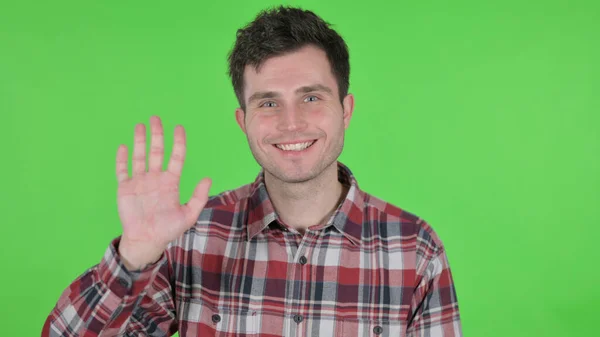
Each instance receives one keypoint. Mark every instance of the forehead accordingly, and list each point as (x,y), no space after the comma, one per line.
(306,66)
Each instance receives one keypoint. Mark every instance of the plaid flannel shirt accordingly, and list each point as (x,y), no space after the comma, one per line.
(372,269)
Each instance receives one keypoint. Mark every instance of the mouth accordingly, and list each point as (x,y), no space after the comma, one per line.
(292,148)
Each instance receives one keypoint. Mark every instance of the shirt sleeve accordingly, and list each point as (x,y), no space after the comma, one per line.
(109,300)
(434,306)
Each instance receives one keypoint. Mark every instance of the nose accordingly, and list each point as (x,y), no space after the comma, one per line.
(291,119)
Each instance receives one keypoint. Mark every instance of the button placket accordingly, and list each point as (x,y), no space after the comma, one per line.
(302,248)
(302,261)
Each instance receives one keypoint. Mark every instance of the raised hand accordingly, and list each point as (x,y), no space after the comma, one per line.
(148,201)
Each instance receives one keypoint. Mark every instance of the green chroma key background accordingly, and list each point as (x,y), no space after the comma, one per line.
(482,117)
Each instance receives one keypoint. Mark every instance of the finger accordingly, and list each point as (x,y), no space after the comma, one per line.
(122,163)
(139,150)
(178,154)
(197,201)
(157,147)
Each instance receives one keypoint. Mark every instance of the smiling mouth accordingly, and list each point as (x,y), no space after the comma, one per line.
(295,147)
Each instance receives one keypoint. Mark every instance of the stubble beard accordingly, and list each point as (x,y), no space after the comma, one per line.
(270,167)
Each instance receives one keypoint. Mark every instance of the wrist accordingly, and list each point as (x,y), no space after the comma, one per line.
(137,257)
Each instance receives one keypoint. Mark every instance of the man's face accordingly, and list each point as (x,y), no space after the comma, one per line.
(292,103)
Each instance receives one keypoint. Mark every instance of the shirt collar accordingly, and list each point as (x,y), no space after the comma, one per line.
(347,218)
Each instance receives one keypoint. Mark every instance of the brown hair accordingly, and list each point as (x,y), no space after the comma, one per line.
(281,30)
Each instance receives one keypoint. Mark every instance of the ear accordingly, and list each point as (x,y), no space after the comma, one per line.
(240,117)
(348,105)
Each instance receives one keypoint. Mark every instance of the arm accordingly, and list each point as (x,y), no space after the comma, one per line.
(434,307)
(109,300)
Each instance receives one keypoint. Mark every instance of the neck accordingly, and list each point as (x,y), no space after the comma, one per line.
(301,205)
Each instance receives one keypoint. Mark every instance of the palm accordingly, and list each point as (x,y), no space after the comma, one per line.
(148,201)
(149,208)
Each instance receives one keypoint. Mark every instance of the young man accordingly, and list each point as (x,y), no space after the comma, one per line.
(302,251)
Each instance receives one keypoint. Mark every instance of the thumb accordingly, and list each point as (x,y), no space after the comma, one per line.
(197,201)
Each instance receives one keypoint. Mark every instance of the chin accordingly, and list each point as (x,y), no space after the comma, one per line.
(292,172)
(296,177)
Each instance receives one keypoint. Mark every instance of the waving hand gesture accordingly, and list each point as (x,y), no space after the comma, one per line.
(148,201)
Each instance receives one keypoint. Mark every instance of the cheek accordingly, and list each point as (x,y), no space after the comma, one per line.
(325,118)
(324,113)
(260,127)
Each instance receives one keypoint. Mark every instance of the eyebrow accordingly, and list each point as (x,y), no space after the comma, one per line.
(313,88)
(302,90)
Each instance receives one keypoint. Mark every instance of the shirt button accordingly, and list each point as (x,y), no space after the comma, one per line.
(216,318)
(377,330)
(122,282)
(298,318)
(303,260)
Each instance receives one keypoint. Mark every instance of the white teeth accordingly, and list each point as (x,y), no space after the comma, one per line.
(294,147)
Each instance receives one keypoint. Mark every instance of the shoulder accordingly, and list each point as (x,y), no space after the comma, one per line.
(228,198)
(397,223)
(225,208)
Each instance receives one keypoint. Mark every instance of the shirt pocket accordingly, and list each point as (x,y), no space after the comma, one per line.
(201,319)
(373,328)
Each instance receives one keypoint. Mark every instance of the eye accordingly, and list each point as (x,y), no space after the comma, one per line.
(269,104)
(311,99)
